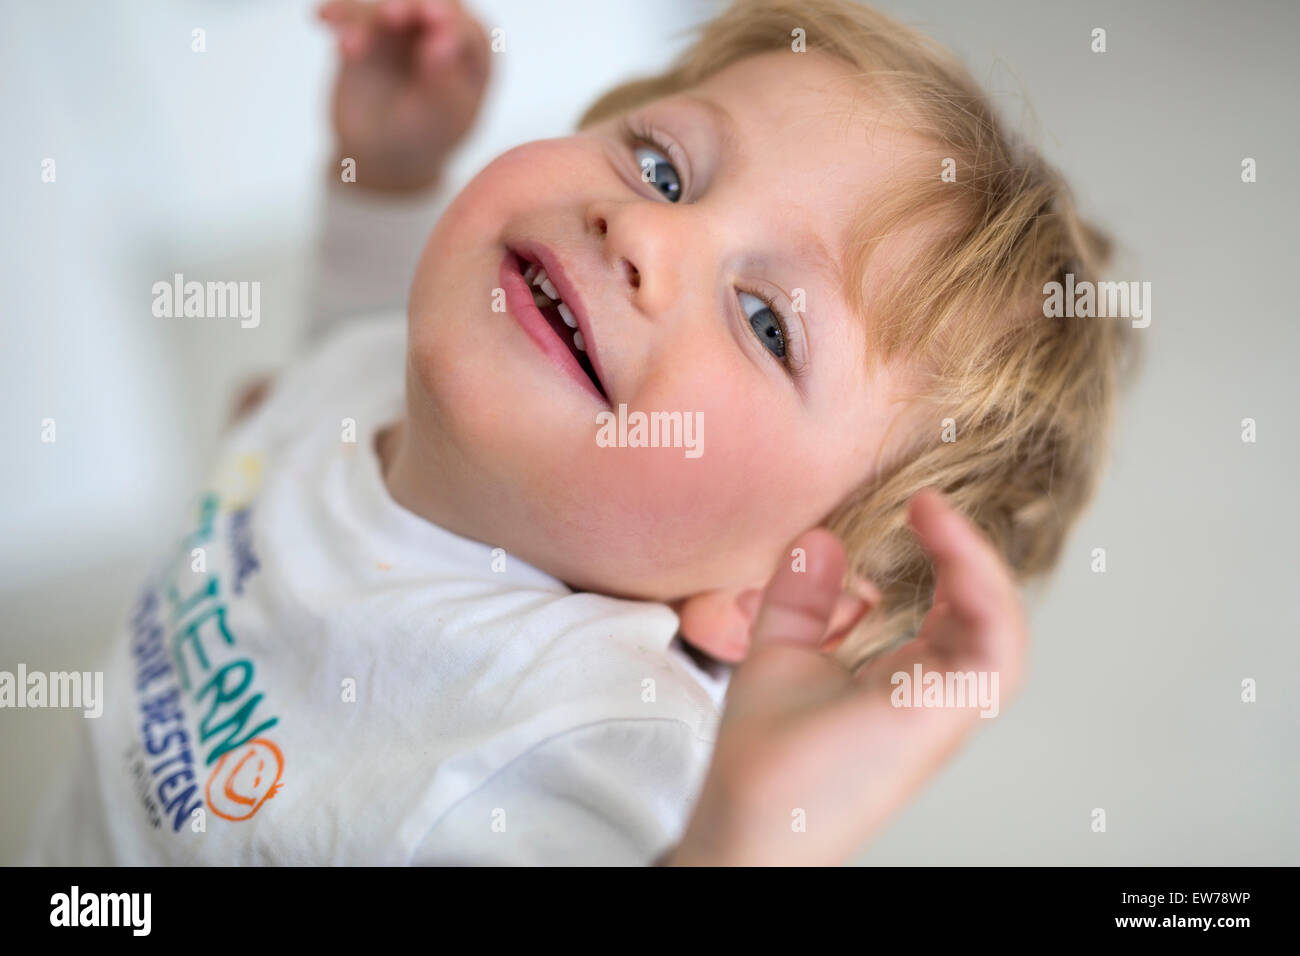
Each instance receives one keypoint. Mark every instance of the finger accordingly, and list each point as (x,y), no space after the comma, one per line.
(354,40)
(358,26)
(396,14)
(436,15)
(332,11)
(350,23)
(338,12)
(971,577)
(800,598)
(445,33)
(977,611)
(459,57)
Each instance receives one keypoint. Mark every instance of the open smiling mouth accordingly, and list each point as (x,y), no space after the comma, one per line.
(558,315)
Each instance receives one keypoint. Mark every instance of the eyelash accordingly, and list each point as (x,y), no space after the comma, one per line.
(796,370)
(639,131)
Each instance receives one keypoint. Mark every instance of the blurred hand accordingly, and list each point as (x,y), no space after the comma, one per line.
(411,79)
(801,732)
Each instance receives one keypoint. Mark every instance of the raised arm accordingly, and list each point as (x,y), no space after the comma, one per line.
(411,79)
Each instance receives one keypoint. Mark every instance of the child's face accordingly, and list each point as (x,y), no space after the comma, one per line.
(501,439)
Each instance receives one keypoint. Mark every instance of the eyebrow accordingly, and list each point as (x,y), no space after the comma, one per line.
(721,119)
(821,259)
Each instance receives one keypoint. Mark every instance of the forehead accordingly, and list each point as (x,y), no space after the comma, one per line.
(812,129)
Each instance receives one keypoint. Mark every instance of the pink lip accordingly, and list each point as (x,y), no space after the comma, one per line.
(555,271)
(519,302)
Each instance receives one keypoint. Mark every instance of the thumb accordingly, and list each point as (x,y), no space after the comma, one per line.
(801,596)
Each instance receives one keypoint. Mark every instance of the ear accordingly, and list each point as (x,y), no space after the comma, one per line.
(719,622)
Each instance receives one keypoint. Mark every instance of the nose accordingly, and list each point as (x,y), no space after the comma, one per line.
(643,241)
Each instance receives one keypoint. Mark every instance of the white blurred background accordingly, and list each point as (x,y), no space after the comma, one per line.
(210,164)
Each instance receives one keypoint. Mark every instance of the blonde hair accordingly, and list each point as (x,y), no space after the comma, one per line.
(1031,398)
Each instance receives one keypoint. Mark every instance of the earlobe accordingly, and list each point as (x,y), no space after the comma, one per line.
(850,609)
(718,622)
(858,598)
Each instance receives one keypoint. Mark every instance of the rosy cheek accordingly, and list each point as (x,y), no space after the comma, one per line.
(692,502)
(528,178)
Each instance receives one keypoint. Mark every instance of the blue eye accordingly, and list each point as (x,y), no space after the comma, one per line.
(765,323)
(659,172)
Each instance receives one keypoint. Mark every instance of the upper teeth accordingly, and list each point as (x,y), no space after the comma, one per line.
(535,276)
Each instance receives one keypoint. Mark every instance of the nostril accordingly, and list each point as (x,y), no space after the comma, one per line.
(601,226)
(633,276)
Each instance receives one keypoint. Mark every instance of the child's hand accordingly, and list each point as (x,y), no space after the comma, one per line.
(802,737)
(410,83)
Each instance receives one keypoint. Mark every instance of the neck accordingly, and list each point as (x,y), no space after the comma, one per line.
(416,484)
(387,443)
(393,446)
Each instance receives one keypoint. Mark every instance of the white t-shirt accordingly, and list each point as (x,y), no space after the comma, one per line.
(318,676)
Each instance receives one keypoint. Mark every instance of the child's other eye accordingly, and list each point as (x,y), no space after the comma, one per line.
(766,324)
(658,170)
